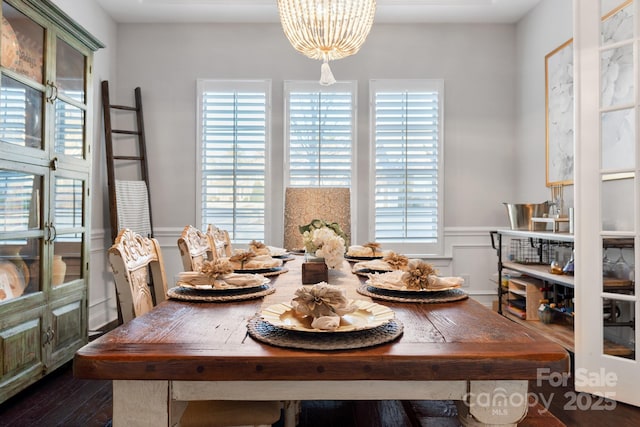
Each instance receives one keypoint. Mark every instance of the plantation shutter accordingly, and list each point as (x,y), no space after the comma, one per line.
(233,135)
(406,130)
(320,133)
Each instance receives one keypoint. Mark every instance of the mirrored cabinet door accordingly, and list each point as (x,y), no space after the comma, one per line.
(69,101)
(22,88)
(22,230)
(69,205)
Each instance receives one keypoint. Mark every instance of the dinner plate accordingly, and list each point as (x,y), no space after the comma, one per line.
(278,252)
(366,271)
(390,287)
(228,287)
(258,270)
(361,258)
(368,315)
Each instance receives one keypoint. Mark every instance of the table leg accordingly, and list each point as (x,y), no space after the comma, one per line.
(291,413)
(495,403)
(141,404)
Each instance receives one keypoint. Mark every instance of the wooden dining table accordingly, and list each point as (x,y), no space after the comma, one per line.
(183,351)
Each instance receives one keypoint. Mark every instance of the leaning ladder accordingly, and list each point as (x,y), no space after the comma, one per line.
(129,137)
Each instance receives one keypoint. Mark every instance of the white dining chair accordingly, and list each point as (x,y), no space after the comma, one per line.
(138,270)
(220,242)
(137,262)
(195,248)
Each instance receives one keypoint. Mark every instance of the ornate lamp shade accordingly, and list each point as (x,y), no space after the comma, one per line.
(326,29)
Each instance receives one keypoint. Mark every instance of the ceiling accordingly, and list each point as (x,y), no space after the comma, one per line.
(263,11)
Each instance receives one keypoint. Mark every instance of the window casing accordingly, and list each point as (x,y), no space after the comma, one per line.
(406,178)
(233,133)
(320,133)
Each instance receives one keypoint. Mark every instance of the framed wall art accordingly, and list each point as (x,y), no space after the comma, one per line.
(559,109)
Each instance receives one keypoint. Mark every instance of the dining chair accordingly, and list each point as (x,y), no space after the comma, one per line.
(304,204)
(138,270)
(195,248)
(132,258)
(219,241)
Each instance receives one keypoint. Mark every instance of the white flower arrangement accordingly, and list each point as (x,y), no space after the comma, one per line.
(322,240)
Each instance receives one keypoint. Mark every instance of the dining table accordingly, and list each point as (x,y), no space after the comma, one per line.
(435,348)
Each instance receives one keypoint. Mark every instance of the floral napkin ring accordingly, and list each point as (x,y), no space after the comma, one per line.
(396,261)
(242,257)
(374,246)
(216,268)
(258,248)
(418,274)
(324,303)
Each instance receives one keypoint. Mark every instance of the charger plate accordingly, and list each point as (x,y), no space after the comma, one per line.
(352,258)
(368,315)
(267,333)
(266,272)
(366,271)
(229,287)
(431,297)
(239,294)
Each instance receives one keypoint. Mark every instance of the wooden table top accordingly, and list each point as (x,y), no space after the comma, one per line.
(178,340)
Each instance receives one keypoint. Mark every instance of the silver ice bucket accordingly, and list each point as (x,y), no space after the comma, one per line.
(520,214)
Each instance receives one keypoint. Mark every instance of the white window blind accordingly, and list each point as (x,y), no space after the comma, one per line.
(233,131)
(320,133)
(406,128)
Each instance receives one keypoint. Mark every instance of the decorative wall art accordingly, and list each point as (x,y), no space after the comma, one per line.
(559,121)
(616,90)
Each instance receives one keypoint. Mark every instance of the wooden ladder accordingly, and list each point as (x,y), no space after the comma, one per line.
(134,136)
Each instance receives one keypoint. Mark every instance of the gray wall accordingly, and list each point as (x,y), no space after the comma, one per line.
(545,28)
(477,62)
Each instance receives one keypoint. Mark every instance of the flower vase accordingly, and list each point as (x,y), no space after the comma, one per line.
(314,270)
(311,257)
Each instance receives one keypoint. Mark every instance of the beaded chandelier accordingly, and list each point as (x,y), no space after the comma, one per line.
(326,29)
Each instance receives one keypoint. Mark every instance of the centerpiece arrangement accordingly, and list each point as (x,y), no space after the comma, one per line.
(324,244)
(325,240)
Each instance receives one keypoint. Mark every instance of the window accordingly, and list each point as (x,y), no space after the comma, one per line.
(233,123)
(406,129)
(320,133)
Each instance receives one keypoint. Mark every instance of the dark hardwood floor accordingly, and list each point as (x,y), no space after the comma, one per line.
(62,400)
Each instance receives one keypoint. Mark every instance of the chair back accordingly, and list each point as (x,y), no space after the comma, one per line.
(219,241)
(304,204)
(195,248)
(139,273)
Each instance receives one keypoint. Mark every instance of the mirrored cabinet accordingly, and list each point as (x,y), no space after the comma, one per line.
(45,167)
